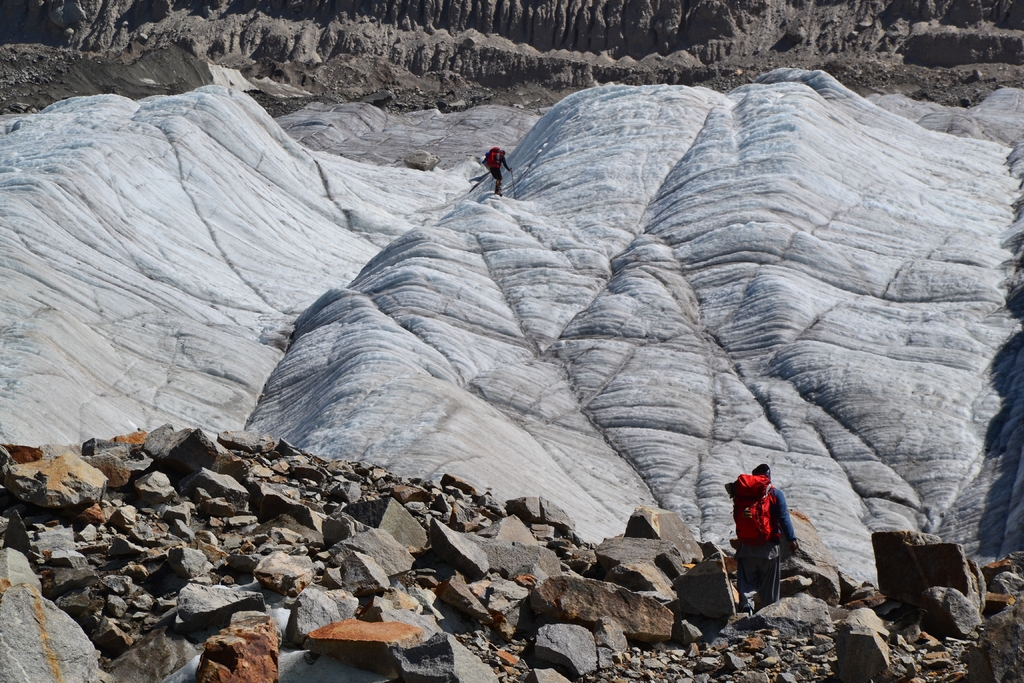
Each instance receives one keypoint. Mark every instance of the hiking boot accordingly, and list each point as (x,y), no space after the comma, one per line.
(748,608)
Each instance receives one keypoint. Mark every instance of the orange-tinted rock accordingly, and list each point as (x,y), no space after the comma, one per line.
(135,438)
(244,652)
(364,644)
(93,514)
(62,482)
(113,468)
(23,454)
(997,602)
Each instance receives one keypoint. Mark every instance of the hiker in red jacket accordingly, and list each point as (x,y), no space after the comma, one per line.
(494,160)
(762,518)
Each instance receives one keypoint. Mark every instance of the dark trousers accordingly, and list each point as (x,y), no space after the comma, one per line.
(758,576)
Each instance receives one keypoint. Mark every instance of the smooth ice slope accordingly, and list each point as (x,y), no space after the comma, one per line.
(688,284)
(154,254)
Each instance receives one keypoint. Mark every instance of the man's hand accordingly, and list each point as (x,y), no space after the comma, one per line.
(793,547)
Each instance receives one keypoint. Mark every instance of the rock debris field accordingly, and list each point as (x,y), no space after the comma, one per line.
(179,557)
(680,284)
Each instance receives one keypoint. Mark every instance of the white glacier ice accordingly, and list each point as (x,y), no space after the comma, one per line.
(154,254)
(685,284)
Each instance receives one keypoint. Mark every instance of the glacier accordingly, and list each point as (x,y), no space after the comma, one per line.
(685,284)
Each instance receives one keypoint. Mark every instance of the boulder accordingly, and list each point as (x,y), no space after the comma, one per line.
(511,559)
(63,580)
(357,573)
(186,451)
(861,650)
(16,571)
(706,590)
(389,515)
(539,511)
(458,594)
(363,644)
(16,535)
(110,638)
(813,561)
(567,646)
(909,563)
(275,501)
(202,607)
(949,613)
(160,653)
(422,160)
(244,652)
(610,640)
(41,644)
(458,550)
(304,534)
(800,616)
(217,485)
(285,574)
(312,609)
(247,442)
(188,563)
(585,601)
(665,525)
(440,659)
(657,553)
(154,488)
(509,529)
(641,578)
(64,481)
(391,555)
(998,656)
(506,601)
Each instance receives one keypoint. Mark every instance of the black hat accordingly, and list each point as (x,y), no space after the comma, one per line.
(763,469)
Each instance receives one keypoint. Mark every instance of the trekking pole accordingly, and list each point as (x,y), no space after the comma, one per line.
(512,173)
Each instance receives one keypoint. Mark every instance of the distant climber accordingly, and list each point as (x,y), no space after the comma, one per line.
(494,160)
(762,518)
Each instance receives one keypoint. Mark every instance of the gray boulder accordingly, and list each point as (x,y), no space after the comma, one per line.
(188,563)
(509,529)
(356,573)
(422,160)
(536,510)
(812,561)
(15,571)
(458,550)
(156,656)
(312,609)
(949,613)
(512,559)
(202,607)
(16,535)
(610,640)
(388,553)
(665,525)
(706,590)
(41,644)
(797,616)
(545,676)
(998,656)
(861,650)
(185,451)
(568,646)
(154,488)
(909,563)
(440,659)
(217,485)
(389,515)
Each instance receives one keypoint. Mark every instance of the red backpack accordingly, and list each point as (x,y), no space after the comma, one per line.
(753,496)
(493,158)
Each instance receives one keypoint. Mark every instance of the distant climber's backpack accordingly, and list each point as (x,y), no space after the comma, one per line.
(493,158)
(753,496)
